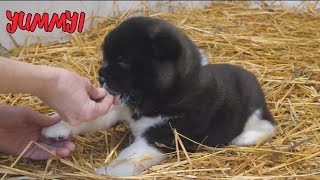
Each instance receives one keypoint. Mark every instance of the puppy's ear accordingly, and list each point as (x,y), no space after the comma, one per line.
(165,45)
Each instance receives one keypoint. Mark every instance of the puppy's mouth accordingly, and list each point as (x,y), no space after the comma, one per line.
(117,95)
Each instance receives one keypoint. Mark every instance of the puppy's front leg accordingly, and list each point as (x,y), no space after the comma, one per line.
(63,130)
(133,160)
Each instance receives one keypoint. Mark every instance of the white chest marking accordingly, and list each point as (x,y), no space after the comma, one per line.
(140,126)
(204,58)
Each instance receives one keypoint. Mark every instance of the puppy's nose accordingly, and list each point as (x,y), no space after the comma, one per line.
(101,80)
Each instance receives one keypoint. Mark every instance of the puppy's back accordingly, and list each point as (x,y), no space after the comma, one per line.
(242,88)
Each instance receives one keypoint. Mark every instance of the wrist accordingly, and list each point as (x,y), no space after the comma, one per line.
(48,80)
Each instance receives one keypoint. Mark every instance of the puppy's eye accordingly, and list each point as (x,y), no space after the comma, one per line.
(124,63)
(122,60)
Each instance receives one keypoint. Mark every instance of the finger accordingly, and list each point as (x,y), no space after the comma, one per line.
(98,109)
(42,120)
(63,152)
(66,144)
(70,145)
(66,150)
(96,93)
(37,153)
(55,117)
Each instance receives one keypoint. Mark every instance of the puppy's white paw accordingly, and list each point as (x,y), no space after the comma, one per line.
(101,171)
(59,131)
(119,170)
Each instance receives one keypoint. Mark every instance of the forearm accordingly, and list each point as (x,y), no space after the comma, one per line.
(21,77)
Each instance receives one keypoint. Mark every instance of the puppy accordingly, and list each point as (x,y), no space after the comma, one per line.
(164,82)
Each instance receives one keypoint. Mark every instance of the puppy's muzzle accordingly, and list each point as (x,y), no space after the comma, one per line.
(103,84)
(102,81)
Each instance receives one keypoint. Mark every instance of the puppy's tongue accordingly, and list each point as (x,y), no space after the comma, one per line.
(116,100)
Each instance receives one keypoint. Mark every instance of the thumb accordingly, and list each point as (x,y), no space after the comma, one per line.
(43,120)
(96,93)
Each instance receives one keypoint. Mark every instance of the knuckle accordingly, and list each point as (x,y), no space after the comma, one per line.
(86,81)
(73,122)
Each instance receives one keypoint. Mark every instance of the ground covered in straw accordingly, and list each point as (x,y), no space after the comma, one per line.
(280,46)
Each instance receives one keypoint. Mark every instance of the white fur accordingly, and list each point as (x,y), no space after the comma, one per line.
(204,58)
(140,126)
(255,129)
(139,156)
(64,130)
(133,160)
(60,130)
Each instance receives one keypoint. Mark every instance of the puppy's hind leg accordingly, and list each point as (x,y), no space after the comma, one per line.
(255,130)
(63,130)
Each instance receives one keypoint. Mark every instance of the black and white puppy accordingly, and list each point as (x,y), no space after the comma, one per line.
(156,70)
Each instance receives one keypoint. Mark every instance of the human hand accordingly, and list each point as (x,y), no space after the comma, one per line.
(20,125)
(74,98)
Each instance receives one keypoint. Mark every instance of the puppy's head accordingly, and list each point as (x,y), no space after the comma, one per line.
(143,61)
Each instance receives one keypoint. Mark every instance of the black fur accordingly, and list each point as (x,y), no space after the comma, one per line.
(157,69)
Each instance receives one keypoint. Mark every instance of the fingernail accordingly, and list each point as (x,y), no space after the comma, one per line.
(102,92)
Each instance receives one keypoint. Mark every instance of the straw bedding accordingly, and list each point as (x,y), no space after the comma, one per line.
(280,46)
